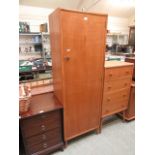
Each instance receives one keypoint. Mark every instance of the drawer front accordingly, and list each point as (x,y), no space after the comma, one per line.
(115,85)
(37,120)
(41,138)
(116,73)
(116,101)
(42,146)
(31,128)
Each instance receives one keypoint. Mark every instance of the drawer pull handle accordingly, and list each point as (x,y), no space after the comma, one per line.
(110,75)
(125,84)
(108,99)
(44,145)
(109,87)
(43,127)
(44,137)
(127,72)
(43,116)
(124,95)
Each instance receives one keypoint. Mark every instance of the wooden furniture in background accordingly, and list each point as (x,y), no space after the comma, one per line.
(132,60)
(132,38)
(41,127)
(78,51)
(117,83)
(130,112)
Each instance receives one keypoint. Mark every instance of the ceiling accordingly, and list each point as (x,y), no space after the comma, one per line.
(119,8)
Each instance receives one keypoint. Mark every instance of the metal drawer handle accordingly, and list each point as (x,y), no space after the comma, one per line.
(43,127)
(44,145)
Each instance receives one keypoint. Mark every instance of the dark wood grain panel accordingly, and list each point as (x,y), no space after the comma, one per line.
(41,127)
(42,146)
(42,103)
(38,120)
(42,132)
(50,135)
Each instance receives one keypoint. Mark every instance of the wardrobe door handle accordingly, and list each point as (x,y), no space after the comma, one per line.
(66,58)
(108,99)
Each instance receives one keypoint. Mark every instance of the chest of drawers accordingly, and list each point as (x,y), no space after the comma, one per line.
(117,83)
(41,127)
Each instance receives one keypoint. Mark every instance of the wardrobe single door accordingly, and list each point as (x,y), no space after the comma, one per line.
(83,60)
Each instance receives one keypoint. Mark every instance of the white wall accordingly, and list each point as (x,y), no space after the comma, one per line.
(132,20)
(118,25)
(37,16)
(34,16)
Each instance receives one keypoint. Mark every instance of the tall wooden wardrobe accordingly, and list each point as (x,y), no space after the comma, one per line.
(78,51)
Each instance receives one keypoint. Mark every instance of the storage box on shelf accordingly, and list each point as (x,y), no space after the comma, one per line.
(117,83)
(42,127)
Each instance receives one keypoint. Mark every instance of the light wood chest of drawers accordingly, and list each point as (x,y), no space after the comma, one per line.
(117,83)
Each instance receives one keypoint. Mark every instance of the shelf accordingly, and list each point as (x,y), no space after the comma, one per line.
(30,34)
(30,43)
(45,33)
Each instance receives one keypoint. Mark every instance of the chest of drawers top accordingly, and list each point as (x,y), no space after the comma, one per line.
(41,104)
(113,64)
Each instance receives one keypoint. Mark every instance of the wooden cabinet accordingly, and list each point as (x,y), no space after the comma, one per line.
(41,127)
(132,36)
(132,60)
(78,51)
(117,82)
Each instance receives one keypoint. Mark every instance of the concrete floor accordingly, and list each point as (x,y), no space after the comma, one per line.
(117,138)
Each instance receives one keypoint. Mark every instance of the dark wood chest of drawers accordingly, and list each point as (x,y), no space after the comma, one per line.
(42,128)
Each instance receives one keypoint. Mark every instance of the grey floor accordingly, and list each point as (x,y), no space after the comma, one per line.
(117,138)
